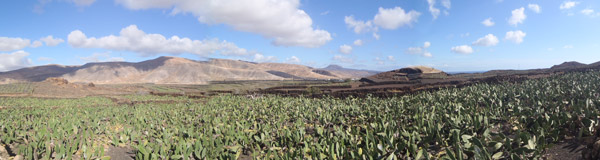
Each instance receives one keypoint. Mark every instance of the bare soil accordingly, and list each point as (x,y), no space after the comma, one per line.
(120,153)
(568,150)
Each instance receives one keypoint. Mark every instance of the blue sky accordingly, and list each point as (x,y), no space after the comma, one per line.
(446,34)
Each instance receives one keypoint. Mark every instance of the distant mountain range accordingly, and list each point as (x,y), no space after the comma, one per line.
(174,70)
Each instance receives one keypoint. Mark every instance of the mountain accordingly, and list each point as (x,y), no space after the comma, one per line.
(405,75)
(568,65)
(346,72)
(334,67)
(36,74)
(425,69)
(174,70)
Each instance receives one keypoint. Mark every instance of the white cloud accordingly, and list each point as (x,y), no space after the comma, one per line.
(379,61)
(464,49)
(587,11)
(465,34)
(391,58)
(487,40)
(488,22)
(51,41)
(515,36)
(292,59)
(261,58)
(343,59)
(518,16)
(357,25)
(427,54)
(346,49)
(535,8)
(39,7)
(358,42)
(375,35)
(394,18)
(434,11)
(135,40)
(82,2)
(101,57)
(325,13)
(14,60)
(36,44)
(420,50)
(414,50)
(568,4)
(446,3)
(11,44)
(568,46)
(281,20)
(590,12)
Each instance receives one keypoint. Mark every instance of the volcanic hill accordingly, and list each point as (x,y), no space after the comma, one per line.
(174,70)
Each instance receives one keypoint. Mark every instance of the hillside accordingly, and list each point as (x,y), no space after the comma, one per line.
(174,70)
(345,72)
(405,75)
(36,74)
(568,65)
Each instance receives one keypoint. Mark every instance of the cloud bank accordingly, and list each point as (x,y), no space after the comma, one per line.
(281,20)
(14,60)
(11,44)
(135,40)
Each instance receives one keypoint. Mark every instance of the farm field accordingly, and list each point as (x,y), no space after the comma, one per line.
(16,88)
(523,120)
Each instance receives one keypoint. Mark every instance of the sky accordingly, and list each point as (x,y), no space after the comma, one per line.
(451,35)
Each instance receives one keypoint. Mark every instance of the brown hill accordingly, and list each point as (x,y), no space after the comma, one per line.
(568,65)
(595,64)
(171,70)
(36,74)
(407,75)
(346,72)
(165,70)
(425,69)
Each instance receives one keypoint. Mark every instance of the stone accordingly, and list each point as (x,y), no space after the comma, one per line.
(3,153)
(18,157)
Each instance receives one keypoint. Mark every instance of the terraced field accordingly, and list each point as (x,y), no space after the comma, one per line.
(483,121)
(16,88)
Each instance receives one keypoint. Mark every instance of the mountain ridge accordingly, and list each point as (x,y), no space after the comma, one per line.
(176,70)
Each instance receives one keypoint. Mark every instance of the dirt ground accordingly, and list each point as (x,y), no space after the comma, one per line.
(120,153)
(568,150)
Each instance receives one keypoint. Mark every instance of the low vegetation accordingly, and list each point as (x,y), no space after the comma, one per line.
(165,89)
(483,121)
(16,88)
